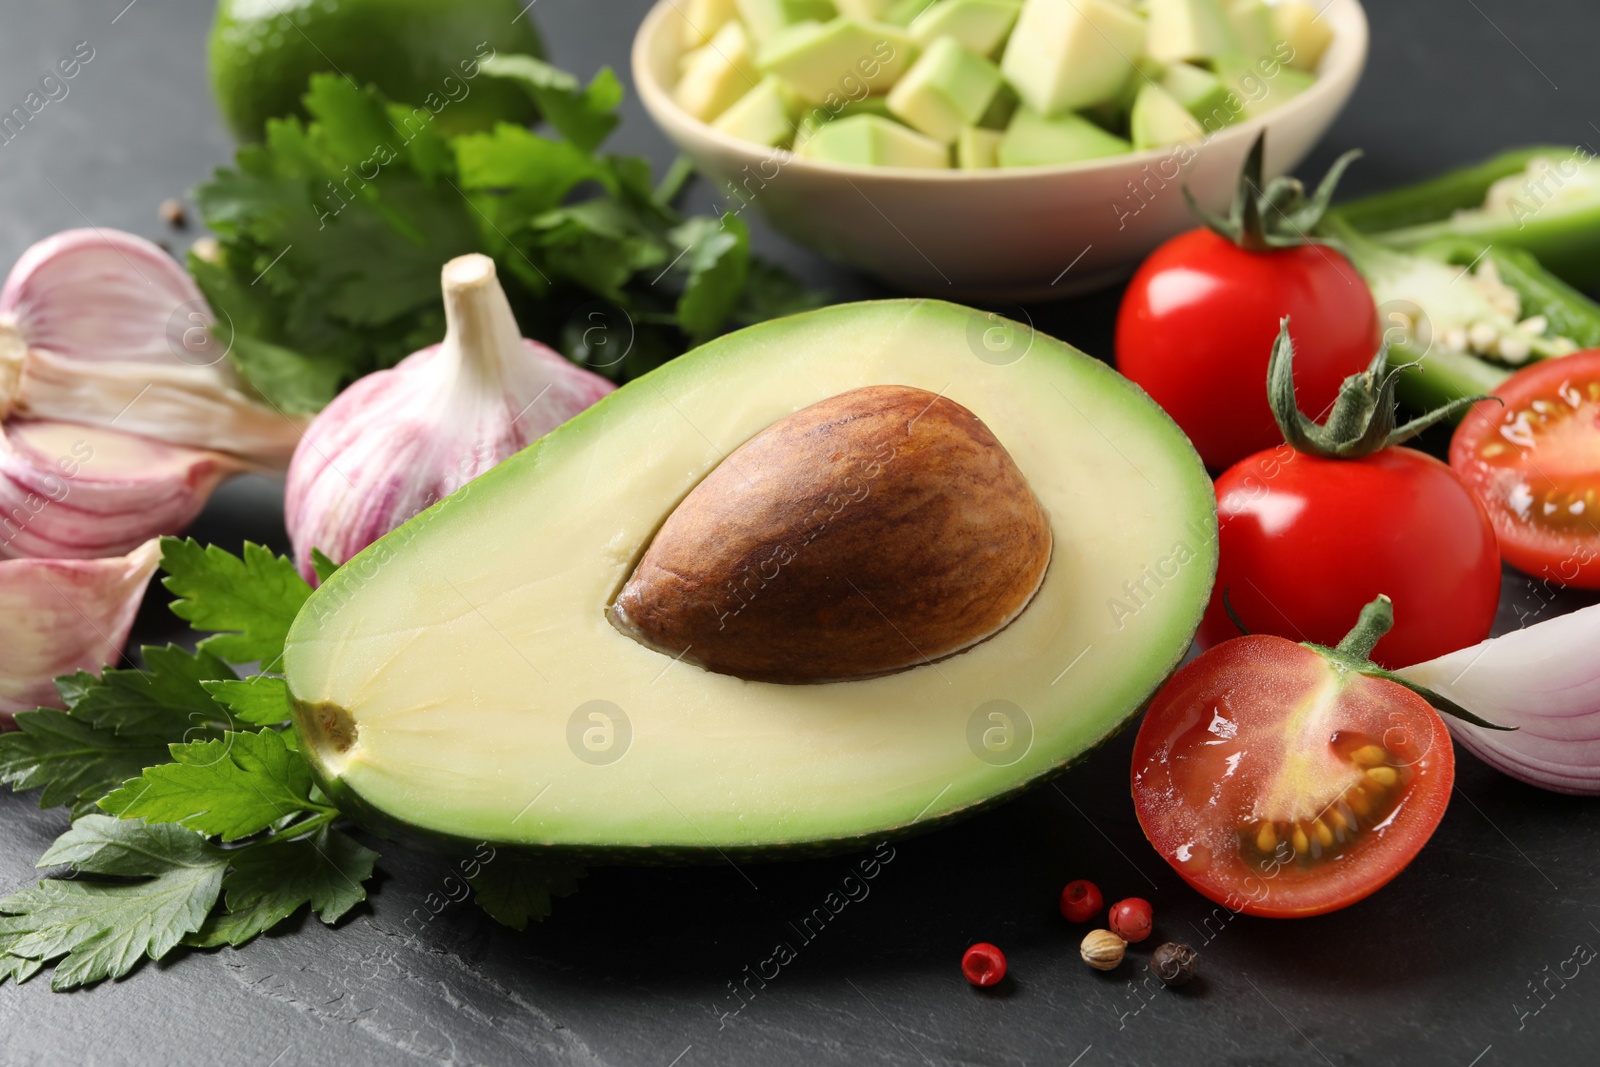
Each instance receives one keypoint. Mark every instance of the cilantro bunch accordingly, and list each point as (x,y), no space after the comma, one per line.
(197,821)
(332,234)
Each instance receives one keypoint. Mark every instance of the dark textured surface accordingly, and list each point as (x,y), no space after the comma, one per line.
(637,968)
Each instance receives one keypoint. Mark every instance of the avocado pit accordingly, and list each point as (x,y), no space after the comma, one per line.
(881,529)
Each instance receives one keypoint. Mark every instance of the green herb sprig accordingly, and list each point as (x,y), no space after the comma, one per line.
(332,233)
(197,820)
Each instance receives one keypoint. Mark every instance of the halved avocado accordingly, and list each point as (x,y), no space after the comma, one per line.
(461,677)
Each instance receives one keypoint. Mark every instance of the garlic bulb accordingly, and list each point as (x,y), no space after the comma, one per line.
(79,492)
(398,441)
(102,327)
(59,616)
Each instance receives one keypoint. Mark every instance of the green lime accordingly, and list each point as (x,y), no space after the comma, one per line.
(419,52)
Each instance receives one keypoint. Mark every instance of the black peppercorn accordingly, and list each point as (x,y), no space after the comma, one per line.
(1174,963)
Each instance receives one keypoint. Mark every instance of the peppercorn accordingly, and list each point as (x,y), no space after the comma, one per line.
(1131,919)
(983,964)
(1102,950)
(1174,963)
(1080,901)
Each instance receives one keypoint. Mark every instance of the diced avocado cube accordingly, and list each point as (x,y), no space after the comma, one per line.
(762,116)
(1261,84)
(819,115)
(1151,68)
(1296,24)
(1158,119)
(1252,26)
(843,59)
(905,12)
(763,18)
(870,141)
(978,149)
(703,18)
(717,74)
(1189,29)
(864,9)
(1034,139)
(946,89)
(1067,54)
(1001,108)
(1112,114)
(1201,93)
(981,26)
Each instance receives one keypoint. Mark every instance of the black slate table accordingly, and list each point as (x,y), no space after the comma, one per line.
(1451,965)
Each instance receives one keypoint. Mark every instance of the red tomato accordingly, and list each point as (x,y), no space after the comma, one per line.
(1305,542)
(1197,325)
(1535,464)
(1277,784)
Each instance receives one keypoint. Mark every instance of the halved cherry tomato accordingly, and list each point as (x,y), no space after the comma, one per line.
(1279,783)
(1535,465)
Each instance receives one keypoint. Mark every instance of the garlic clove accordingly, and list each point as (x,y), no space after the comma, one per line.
(399,440)
(100,326)
(80,492)
(59,616)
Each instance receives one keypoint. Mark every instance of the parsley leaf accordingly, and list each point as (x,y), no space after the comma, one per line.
(17,968)
(332,232)
(154,746)
(514,889)
(113,727)
(718,259)
(585,117)
(165,699)
(324,566)
(104,928)
(99,844)
(269,883)
(259,701)
(229,788)
(248,604)
(74,762)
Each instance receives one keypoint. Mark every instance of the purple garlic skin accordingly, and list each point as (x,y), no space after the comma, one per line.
(60,616)
(104,328)
(81,492)
(398,441)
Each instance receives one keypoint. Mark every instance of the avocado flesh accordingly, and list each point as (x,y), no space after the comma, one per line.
(1159,119)
(436,675)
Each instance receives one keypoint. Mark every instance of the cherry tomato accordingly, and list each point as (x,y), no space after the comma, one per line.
(1080,901)
(1197,325)
(1535,464)
(1277,783)
(1131,919)
(983,964)
(1305,542)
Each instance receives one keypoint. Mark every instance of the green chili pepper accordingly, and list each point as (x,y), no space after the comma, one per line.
(1460,316)
(1570,313)
(1553,211)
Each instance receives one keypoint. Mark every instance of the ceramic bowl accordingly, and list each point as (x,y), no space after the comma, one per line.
(1022,234)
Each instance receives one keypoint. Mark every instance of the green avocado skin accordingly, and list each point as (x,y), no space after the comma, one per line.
(263,53)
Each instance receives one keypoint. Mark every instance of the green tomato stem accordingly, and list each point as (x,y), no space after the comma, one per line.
(1377,619)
